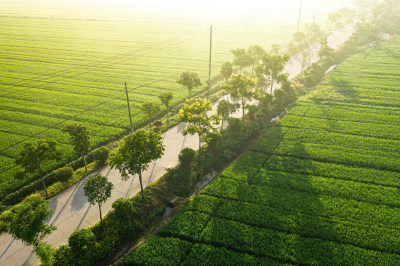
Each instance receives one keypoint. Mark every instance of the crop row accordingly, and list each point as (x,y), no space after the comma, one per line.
(320,136)
(328,153)
(267,242)
(345,93)
(364,236)
(312,204)
(174,251)
(325,186)
(356,114)
(29,124)
(332,170)
(91,117)
(356,128)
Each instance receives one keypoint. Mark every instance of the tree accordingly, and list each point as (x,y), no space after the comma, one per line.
(275,48)
(226,70)
(243,88)
(313,34)
(272,67)
(224,109)
(256,52)
(136,152)
(25,221)
(242,58)
(299,37)
(34,155)
(190,80)
(150,110)
(325,50)
(80,138)
(194,114)
(97,189)
(165,99)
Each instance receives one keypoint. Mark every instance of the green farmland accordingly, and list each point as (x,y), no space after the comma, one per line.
(322,187)
(54,71)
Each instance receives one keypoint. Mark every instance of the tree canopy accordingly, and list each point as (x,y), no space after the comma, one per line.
(226,70)
(225,109)
(256,52)
(165,99)
(271,69)
(136,152)
(34,155)
(97,189)
(242,58)
(150,110)
(80,138)
(25,221)
(194,114)
(243,88)
(190,80)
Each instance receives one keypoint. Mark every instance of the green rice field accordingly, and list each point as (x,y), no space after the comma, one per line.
(321,187)
(59,70)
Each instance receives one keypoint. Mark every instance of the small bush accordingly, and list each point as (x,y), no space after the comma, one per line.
(187,156)
(100,155)
(65,173)
(81,240)
(124,210)
(158,123)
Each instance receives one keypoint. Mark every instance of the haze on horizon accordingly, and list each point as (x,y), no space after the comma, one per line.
(282,13)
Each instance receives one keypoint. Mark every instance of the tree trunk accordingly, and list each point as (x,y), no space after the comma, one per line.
(222,124)
(44,185)
(199,144)
(243,103)
(101,219)
(140,180)
(272,85)
(84,160)
(167,114)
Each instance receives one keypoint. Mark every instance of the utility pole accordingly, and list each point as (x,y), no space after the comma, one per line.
(129,108)
(298,21)
(209,65)
(313,18)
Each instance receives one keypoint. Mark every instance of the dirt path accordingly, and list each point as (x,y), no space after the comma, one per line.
(71,209)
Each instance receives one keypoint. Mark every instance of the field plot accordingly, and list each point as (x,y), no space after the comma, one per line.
(319,188)
(54,71)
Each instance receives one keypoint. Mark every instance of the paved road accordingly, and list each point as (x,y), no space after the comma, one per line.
(71,209)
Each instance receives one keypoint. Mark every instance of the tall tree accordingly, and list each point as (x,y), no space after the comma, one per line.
(242,58)
(136,152)
(243,88)
(225,109)
(80,138)
(190,80)
(256,52)
(272,67)
(25,221)
(97,189)
(165,99)
(325,50)
(194,114)
(150,110)
(226,70)
(275,48)
(34,155)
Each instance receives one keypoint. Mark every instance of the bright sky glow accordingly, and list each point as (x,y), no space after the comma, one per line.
(274,12)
